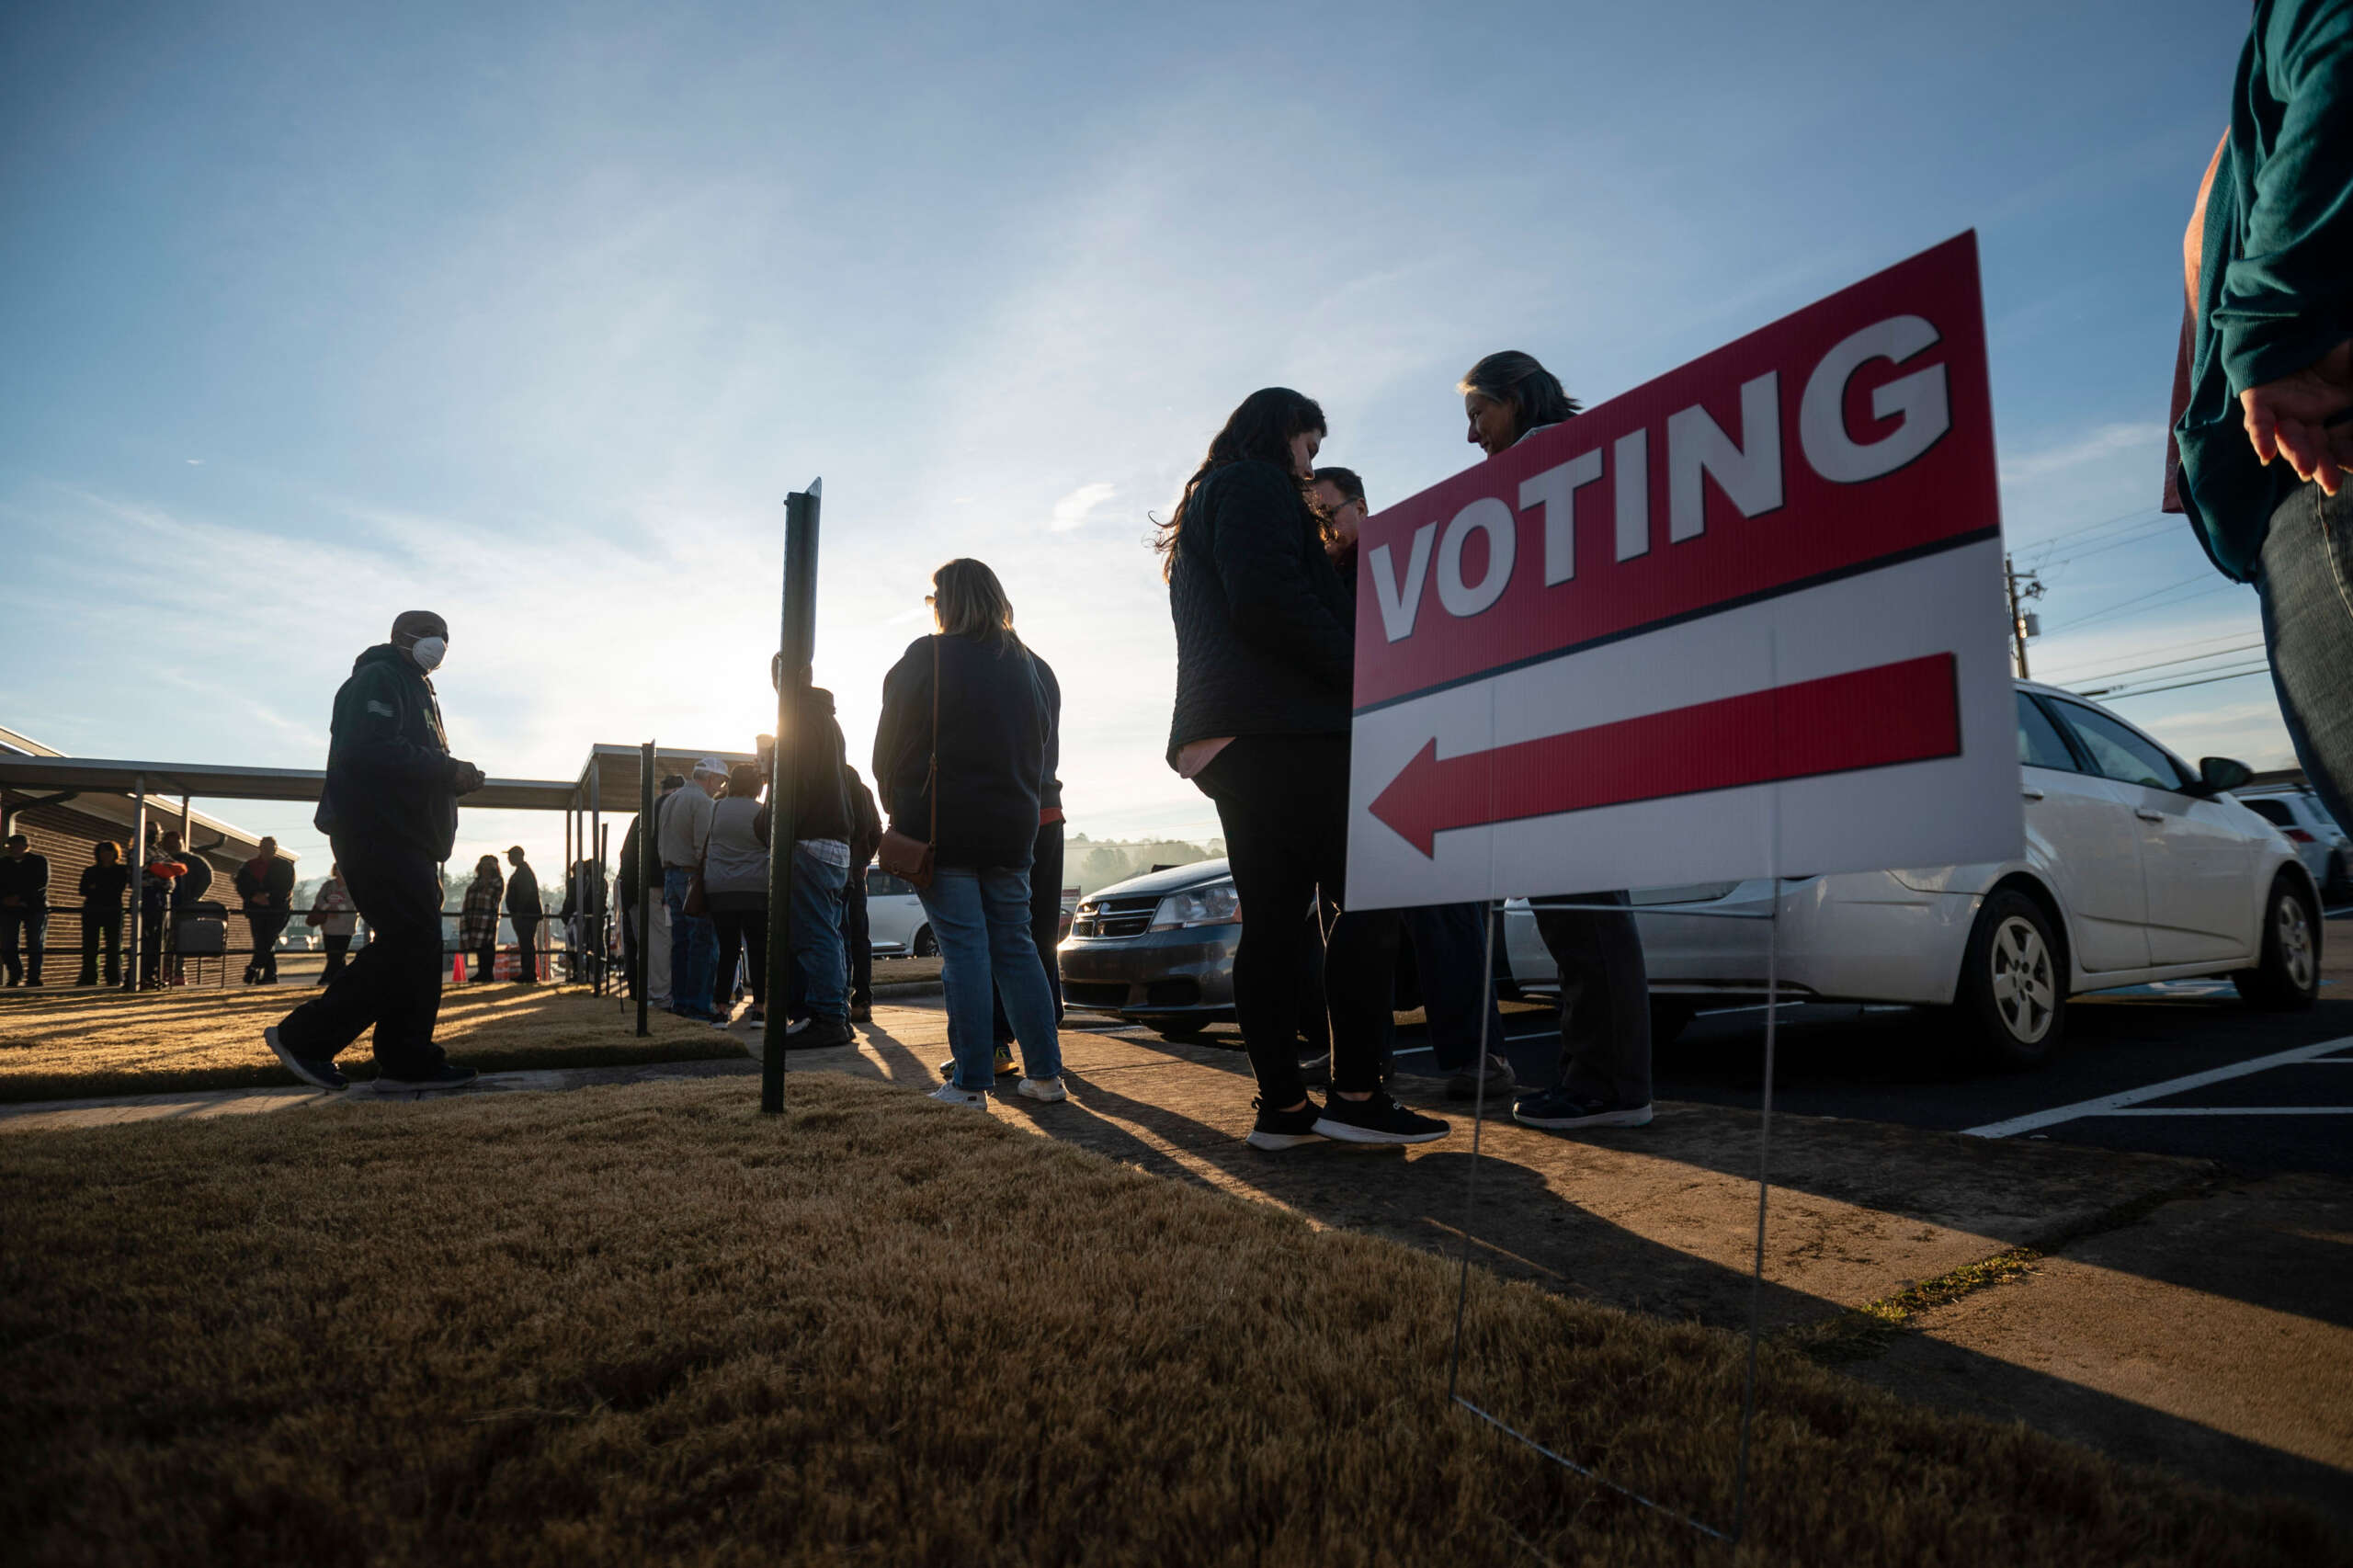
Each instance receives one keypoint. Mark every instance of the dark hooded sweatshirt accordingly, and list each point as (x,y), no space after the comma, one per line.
(392,785)
(994,725)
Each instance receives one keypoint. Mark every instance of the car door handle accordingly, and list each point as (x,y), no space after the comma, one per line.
(2147,815)
(2031,794)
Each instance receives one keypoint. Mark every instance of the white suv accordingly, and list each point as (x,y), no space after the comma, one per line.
(2303,822)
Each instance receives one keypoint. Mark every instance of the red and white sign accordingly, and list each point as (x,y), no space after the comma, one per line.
(1745,618)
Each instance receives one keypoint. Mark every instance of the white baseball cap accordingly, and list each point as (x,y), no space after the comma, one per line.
(711,766)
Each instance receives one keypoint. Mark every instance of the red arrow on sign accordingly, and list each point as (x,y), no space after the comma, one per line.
(1874,718)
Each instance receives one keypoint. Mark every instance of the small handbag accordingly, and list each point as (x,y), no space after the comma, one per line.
(903,854)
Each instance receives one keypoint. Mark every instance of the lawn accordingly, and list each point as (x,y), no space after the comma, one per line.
(77,1044)
(643,1323)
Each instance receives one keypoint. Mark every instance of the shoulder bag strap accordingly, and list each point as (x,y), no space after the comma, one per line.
(932,786)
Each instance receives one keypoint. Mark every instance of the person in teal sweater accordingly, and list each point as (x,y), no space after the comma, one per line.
(2262,401)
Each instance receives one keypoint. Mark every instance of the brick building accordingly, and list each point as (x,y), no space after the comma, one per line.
(68,826)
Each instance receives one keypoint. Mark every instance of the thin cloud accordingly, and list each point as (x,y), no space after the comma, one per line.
(1072,510)
(2104,442)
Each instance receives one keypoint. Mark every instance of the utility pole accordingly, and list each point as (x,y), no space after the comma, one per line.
(2024,623)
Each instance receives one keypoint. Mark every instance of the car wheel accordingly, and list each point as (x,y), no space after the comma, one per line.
(1669,1018)
(926,945)
(2288,979)
(2013,994)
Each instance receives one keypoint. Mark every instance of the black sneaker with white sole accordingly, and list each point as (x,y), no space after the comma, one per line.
(440,1080)
(319,1071)
(1284,1128)
(1378,1119)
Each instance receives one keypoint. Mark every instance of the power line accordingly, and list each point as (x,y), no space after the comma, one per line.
(2103,613)
(2136,514)
(2082,671)
(2114,696)
(2161,663)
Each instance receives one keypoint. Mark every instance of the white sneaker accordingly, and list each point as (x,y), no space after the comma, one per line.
(1047,1089)
(948,1094)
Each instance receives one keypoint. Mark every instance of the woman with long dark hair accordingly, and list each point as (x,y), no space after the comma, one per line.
(959,763)
(1605,1077)
(1264,664)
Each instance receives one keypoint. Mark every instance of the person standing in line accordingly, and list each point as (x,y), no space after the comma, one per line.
(523,908)
(959,760)
(858,937)
(735,885)
(1045,872)
(390,812)
(103,886)
(332,913)
(266,885)
(2263,391)
(1264,667)
(640,872)
(583,901)
(478,919)
(819,1005)
(188,890)
(684,832)
(1450,940)
(165,863)
(1604,1075)
(24,909)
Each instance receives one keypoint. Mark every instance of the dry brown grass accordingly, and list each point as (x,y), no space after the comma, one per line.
(70,1045)
(644,1325)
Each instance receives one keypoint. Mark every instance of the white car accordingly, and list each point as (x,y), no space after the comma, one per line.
(2320,843)
(2138,867)
(895,925)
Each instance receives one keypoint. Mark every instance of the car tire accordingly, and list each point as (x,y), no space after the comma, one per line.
(926,945)
(2288,979)
(2013,994)
(1669,1017)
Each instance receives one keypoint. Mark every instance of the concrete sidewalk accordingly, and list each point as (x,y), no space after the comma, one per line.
(2162,1315)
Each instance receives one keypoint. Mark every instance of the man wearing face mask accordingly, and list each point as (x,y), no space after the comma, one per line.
(390,809)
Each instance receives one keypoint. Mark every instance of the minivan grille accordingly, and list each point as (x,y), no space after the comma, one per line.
(1115,917)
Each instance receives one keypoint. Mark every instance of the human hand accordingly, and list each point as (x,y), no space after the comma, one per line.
(2292,418)
(469,778)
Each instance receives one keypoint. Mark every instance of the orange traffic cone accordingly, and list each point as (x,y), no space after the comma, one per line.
(458,970)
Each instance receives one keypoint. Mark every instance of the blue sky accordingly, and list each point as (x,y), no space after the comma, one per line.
(533,316)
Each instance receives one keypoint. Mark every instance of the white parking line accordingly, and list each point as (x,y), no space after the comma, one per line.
(2110,1104)
(2236,1110)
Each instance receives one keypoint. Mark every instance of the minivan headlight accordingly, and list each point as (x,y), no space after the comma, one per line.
(1216,904)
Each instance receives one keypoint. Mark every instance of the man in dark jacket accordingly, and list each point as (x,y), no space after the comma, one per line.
(24,909)
(865,838)
(523,908)
(641,872)
(265,883)
(103,885)
(390,809)
(820,868)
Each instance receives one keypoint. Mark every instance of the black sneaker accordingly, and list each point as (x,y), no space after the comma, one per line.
(1004,1065)
(1378,1119)
(440,1080)
(818,1034)
(1561,1109)
(318,1071)
(1467,1084)
(1284,1128)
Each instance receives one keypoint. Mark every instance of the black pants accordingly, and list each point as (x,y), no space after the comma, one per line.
(266,927)
(527,947)
(1605,998)
(395,982)
(338,950)
(485,963)
(1283,802)
(1045,919)
(101,927)
(742,933)
(29,926)
(858,939)
(150,946)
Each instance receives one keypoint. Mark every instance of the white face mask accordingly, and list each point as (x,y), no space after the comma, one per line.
(428,651)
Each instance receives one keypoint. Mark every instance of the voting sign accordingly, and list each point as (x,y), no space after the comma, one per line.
(1744,619)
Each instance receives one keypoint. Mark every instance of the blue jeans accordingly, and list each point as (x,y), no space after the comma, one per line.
(982,920)
(1450,956)
(2306,581)
(694,948)
(817,934)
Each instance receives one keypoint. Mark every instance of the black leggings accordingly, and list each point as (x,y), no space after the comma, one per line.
(1283,802)
(740,932)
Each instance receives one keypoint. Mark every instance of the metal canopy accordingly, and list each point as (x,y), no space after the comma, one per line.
(215,781)
(611,771)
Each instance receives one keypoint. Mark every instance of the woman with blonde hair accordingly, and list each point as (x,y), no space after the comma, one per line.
(960,764)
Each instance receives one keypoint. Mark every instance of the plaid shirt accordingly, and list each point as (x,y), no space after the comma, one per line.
(479,925)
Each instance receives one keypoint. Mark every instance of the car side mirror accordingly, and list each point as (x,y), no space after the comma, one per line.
(2221,773)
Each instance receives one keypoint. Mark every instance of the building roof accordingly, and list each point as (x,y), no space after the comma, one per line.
(21,756)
